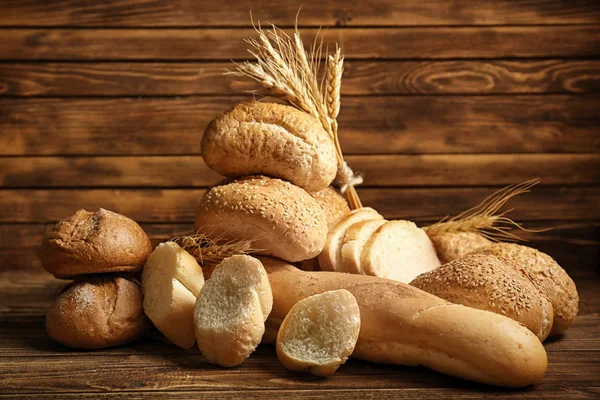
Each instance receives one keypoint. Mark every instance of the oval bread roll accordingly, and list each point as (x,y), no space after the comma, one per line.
(333,204)
(398,250)
(330,258)
(354,242)
(171,280)
(279,218)
(319,333)
(258,138)
(454,245)
(549,278)
(401,324)
(230,313)
(486,282)
(94,243)
(97,312)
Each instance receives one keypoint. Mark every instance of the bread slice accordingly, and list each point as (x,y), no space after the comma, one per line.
(398,250)
(231,310)
(171,280)
(330,258)
(319,333)
(354,241)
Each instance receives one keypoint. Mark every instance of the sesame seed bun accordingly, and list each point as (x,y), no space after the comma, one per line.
(453,245)
(333,204)
(280,219)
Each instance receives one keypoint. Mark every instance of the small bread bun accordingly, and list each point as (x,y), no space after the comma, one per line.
(231,310)
(171,280)
(280,219)
(319,333)
(94,243)
(453,245)
(96,312)
(486,282)
(270,139)
(547,276)
(333,204)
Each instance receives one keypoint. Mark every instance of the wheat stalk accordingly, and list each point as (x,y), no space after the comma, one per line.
(286,69)
(484,218)
(212,251)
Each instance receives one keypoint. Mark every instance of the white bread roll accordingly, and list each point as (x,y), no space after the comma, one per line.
(230,313)
(280,219)
(398,250)
(319,333)
(333,204)
(270,139)
(171,280)
(354,242)
(401,324)
(330,258)
(547,276)
(487,282)
(454,245)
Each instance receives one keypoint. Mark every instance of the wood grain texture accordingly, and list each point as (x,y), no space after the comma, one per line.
(179,205)
(360,78)
(378,170)
(191,13)
(357,43)
(414,124)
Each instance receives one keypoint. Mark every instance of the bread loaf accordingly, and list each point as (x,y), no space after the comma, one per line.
(333,204)
(171,280)
(259,138)
(356,237)
(96,312)
(545,274)
(94,243)
(454,245)
(230,313)
(486,282)
(319,333)
(401,324)
(398,250)
(279,218)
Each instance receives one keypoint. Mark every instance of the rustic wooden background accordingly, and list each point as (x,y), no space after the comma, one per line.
(103,104)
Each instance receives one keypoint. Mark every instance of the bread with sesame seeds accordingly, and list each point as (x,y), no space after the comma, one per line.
(486,282)
(452,245)
(94,243)
(259,138)
(281,219)
(546,275)
(401,324)
(333,204)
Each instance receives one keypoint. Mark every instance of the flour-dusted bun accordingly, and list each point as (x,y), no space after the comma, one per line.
(398,250)
(401,324)
(333,204)
(94,243)
(171,280)
(330,258)
(319,333)
(280,219)
(258,138)
(354,242)
(96,312)
(486,282)
(453,245)
(230,313)
(549,277)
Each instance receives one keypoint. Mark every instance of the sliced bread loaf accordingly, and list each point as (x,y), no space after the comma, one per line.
(354,241)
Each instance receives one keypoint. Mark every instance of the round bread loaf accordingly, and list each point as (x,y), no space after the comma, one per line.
(333,204)
(94,243)
(453,245)
(97,312)
(270,139)
(486,282)
(549,278)
(280,219)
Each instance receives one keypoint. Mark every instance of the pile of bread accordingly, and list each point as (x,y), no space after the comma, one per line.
(323,282)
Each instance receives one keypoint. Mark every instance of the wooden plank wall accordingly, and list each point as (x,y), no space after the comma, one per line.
(444,101)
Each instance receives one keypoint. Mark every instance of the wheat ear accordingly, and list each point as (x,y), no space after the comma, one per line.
(484,218)
(212,251)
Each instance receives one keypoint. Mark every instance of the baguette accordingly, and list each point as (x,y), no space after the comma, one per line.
(401,324)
